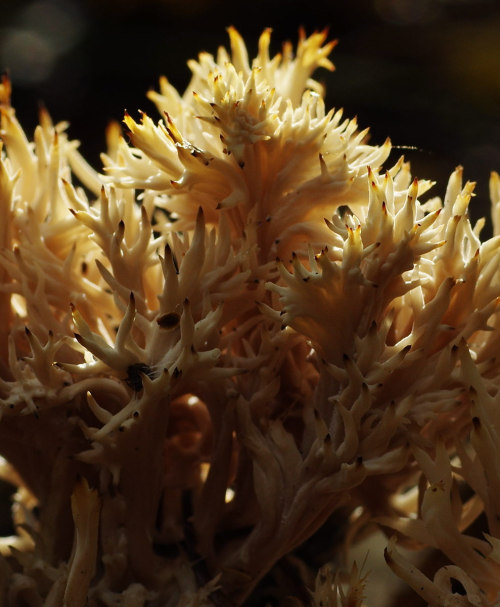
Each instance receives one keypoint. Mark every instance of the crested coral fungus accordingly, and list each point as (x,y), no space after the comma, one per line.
(241,330)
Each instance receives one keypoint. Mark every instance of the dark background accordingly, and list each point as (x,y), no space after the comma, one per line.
(424,72)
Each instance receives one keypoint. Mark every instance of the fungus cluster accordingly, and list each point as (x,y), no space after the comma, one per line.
(239,330)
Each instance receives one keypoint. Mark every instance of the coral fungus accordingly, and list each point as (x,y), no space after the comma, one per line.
(239,331)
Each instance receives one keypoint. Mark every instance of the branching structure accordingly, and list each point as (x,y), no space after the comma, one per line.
(242,327)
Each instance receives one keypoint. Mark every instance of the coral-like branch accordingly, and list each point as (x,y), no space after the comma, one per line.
(243,330)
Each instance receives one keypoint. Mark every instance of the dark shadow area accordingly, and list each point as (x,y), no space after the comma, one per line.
(6,494)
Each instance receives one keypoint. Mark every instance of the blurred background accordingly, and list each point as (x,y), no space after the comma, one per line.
(424,72)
